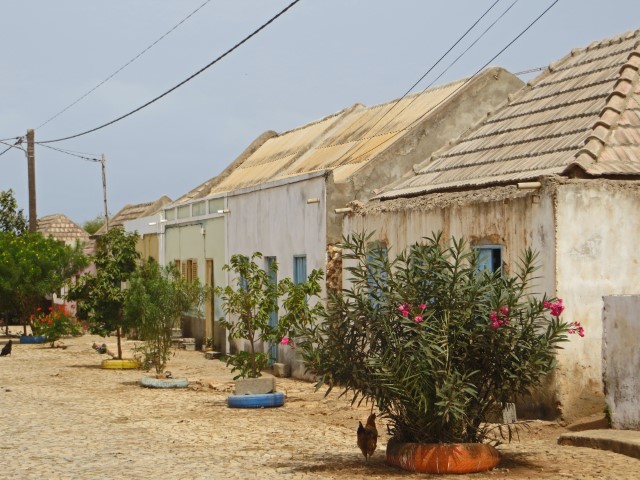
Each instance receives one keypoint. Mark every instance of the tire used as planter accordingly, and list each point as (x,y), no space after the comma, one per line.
(33,339)
(151,382)
(120,364)
(442,458)
(262,400)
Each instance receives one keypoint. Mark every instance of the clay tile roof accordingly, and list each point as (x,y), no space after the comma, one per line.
(132,212)
(583,111)
(62,228)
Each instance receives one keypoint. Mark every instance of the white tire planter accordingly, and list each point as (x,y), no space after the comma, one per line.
(262,400)
(151,382)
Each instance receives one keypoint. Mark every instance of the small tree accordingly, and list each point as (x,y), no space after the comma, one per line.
(92,226)
(251,303)
(154,301)
(31,267)
(433,341)
(100,297)
(12,220)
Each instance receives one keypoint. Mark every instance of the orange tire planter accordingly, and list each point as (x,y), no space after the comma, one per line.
(442,458)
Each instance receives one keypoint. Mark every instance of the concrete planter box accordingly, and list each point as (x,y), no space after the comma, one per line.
(255,386)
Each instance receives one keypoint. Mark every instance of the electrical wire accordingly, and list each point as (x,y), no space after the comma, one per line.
(355,146)
(412,124)
(72,154)
(124,66)
(15,145)
(229,51)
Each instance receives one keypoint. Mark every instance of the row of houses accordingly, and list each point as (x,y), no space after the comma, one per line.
(553,165)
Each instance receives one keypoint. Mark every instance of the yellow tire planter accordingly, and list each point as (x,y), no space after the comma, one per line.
(123,364)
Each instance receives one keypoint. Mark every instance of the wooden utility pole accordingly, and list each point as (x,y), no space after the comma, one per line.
(104,190)
(31,173)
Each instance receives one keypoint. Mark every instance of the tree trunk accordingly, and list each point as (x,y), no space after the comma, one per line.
(118,336)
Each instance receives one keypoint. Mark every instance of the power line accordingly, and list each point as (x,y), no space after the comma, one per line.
(235,47)
(463,83)
(355,146)
(67,152)
(15,145)
(124,66)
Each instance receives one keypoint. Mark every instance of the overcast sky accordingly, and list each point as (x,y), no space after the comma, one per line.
(318,58)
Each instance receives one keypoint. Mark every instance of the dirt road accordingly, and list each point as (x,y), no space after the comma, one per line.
(63,417)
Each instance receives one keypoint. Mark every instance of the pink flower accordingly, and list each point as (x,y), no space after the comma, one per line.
(504,310)
(546,305)
(417,319)
(495,324)
(422,306)
(285,341)
(493,316)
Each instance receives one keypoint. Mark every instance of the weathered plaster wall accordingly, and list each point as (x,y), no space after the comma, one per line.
(514,218)
(278,222)
(621,359)
(598,255)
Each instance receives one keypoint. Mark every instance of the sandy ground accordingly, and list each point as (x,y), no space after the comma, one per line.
(63,417)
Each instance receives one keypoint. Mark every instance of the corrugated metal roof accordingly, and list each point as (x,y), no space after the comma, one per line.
(131,212)
(351,137)
(583,110)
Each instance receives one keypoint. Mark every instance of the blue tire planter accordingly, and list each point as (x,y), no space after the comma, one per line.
(151,382)
(263,400)
(33,339)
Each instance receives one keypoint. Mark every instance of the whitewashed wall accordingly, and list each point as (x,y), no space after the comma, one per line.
(597,230)
(276,220)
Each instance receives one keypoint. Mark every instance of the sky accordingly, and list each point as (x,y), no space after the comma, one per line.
(318,58)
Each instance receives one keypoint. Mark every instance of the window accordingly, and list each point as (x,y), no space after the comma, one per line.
(184,211)
(216,204)
(299,269)
(489,257)
(199,208)
(170,214)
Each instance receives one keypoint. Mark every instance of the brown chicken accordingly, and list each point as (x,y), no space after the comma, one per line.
(368,436)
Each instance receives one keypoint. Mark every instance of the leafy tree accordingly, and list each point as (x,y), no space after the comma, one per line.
(435,343)
(92,226)
(100,297)
(31,267)
(12,220)
(154,302)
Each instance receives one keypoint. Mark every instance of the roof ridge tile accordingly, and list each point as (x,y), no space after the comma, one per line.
(609,116)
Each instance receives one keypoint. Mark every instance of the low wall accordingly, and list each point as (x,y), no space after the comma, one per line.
(621,359)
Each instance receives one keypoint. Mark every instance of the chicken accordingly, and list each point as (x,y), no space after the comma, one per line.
(368,436)
(6,350)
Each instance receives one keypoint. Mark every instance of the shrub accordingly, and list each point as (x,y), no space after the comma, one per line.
(433,341)
(55,324)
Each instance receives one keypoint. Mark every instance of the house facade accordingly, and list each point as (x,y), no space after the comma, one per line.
(286,195)
(557,170)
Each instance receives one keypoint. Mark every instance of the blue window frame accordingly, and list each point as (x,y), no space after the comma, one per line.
(299,269)
(376,274)
(489,257)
